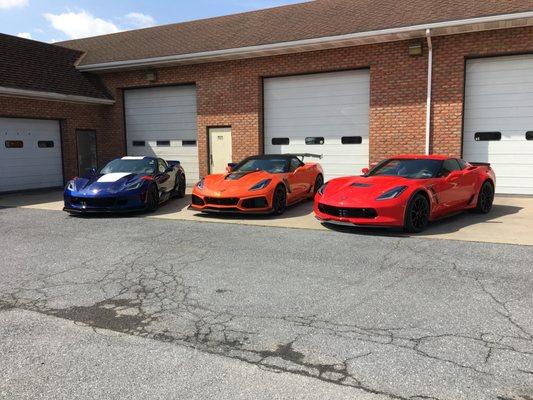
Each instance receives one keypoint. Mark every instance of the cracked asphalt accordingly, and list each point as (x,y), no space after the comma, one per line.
(146,308)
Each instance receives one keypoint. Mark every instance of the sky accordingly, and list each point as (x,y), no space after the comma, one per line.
(57,20)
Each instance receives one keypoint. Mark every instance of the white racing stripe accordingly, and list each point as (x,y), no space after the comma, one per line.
(113,177)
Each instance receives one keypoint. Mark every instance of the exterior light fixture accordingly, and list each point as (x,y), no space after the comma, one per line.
(151,76)
(415,49)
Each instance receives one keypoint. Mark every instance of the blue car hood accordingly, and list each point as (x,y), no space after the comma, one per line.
(105,184)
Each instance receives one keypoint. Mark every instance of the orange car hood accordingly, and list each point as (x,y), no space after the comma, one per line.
(235,182)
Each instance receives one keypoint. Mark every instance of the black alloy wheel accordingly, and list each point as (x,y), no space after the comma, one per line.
(485,198)
(279,201)
(319,181)
(152,198)
(417,214)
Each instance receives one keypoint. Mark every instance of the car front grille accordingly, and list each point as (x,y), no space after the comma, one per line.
(256,202)
(348,212)
(222,201)
(102,202)
(197,201)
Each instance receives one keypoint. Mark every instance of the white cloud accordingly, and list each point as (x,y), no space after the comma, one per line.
(7,4)
(139,20)
(80,24)
(24,35)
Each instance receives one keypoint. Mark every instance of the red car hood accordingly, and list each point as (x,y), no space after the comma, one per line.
(235,182)
(360,190)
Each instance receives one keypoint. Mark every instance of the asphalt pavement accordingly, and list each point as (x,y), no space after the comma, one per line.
(132,307)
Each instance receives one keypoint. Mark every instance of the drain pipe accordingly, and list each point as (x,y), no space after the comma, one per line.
(428,104)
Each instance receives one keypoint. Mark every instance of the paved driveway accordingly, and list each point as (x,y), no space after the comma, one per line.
(156,308)
(511,220)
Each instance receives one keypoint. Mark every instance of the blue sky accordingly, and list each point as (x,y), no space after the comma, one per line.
(55,20)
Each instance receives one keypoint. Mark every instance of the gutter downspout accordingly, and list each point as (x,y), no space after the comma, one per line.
(428,103)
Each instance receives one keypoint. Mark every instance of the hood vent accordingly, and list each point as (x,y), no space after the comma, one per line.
(360,184)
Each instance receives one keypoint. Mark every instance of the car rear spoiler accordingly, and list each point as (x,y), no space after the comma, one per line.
(480,164)
(172,163)
(308,155)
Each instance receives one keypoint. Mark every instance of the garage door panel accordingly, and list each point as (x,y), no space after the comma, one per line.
(499,98)
(30,167)
(164,114)
(328,106)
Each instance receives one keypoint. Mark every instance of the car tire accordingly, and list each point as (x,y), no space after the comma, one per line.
(319,181)
(279,200)
(416,214)
(485,199)
(152,198)
(179,187)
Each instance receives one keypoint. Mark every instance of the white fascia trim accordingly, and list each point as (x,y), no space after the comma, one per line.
(331,40)
(33,94)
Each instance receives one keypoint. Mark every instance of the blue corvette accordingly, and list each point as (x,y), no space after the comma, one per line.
(126,184)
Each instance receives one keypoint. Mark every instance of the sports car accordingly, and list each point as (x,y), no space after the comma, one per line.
(260,184)
(126,184)
(407,191)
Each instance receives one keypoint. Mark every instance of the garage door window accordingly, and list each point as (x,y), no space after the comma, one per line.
(163,143)
(314,140)
(529,135)
(188,142)
(487,136)
(45,144)
(351,140)
(14,144)
(138,143)
(280,141)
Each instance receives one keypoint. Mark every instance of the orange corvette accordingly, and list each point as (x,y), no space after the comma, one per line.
(259,184)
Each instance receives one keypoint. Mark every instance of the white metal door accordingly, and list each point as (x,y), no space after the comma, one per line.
(162,122)
(326,113)
(219,149)
(30,154)
(498,117)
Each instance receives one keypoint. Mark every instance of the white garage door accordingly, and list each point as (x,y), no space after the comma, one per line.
(324,114)
(162,122)
(498,126)
(30,154)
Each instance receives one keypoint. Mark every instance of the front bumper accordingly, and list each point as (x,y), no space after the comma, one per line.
(258,203)
(83,204)
(379,214)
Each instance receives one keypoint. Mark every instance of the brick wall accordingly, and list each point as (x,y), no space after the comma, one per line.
(230,94)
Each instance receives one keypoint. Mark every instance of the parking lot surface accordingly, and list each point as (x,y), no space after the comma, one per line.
(154,308)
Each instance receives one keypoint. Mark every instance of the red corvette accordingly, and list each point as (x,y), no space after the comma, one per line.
(407,191)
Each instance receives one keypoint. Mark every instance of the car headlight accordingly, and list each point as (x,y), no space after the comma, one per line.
(200,184)
(393,193)
(261,185)
(321,189)
(134,186)
(71,185)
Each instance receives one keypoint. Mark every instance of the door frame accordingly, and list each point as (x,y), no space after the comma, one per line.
(208,145)
(78,149)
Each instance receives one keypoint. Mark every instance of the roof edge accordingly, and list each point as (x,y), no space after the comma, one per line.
(53,96)
(352,39)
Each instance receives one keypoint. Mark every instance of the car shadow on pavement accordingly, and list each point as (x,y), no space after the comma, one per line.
(447,225)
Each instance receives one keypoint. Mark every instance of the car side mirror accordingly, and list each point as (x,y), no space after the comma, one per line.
(231,167)
(92,172)
(365,171)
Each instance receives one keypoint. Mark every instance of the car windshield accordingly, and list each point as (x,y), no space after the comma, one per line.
(271,165)
(407,168)
(134,166)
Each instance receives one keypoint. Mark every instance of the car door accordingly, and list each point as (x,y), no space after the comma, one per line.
(296,179)
(449,187)
(162,177)
(469,182)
